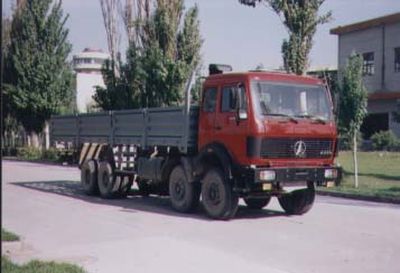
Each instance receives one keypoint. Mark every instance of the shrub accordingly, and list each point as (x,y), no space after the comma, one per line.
(51,154)
(29,153)
(385,140)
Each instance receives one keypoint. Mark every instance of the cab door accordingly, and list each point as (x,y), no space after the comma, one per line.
(230,130)
(207,116)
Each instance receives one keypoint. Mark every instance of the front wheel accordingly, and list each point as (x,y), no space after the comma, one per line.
(219,200)
(299,201)
(184,195)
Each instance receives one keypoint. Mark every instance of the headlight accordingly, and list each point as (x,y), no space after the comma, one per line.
(330,173)
(267,175)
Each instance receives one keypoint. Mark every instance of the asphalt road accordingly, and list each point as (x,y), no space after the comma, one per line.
(45,206)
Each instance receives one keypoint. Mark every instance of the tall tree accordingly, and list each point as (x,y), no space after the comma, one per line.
(158,67)
(301,19)
(37,75)
(352,105)
(109,9)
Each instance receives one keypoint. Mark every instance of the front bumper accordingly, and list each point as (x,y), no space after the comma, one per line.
(287,175)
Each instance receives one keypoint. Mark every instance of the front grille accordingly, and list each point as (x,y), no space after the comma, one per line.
(285,148)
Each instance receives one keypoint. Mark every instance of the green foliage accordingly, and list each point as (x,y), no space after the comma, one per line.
(51,154)
(155,72)
(7,236)
(33,153)
(353,98)
(29,153)
(385,140)
(301,19)
(37,76)
(38,267)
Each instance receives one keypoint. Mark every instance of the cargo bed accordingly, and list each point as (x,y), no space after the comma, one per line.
(167,126)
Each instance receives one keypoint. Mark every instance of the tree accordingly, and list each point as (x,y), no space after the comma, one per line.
(37,77)
(109,9)
(352,104)
(158,63)
(301,19)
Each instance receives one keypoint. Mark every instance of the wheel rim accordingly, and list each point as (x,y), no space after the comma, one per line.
(179,190)
(213,194)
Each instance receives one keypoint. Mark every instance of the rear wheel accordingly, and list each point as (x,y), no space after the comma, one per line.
(89,177)
(183,194)
(107,181)
(299,201)
(257,203)
(219,201)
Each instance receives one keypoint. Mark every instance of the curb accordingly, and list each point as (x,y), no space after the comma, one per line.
(359,197)
(44,162)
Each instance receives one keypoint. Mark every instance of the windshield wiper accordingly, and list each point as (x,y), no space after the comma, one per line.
(289,117)
(313,118)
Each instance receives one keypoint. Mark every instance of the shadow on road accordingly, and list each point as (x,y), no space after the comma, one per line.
(134,202)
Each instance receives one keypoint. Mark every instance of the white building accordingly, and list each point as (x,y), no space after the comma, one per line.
(87,66)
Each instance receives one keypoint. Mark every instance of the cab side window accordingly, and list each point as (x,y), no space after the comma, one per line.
(230,100)
(210,100)
(228,103)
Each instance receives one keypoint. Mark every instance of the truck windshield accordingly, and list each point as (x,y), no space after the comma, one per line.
(293,100)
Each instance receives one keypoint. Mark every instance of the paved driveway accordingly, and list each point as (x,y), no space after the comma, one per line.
(44,205)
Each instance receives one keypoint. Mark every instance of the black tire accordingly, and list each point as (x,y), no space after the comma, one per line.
(218,198)
(89,177)
(298,202)
(107,181)
(257,203)
(184,195)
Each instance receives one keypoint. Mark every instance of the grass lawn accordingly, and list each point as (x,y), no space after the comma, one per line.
(38,267)
(379,175)
(34,266)
(8,236)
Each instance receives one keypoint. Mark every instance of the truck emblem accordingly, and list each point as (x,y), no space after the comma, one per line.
(299,148)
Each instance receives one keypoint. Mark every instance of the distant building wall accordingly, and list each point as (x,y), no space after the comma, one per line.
(392,78)
(85,89)
(380,36)
(362,42)
(87,66)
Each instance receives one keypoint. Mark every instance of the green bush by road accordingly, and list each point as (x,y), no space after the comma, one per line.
(38,267)
(379,175)
(7,236)
(34,266)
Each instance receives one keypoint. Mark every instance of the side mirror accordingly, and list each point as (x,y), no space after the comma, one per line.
(242,114)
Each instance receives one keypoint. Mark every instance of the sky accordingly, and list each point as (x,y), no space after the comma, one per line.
(241,36)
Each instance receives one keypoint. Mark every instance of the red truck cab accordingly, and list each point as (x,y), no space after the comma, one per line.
(277,129)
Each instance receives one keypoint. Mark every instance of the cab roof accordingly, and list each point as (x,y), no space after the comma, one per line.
(264,75)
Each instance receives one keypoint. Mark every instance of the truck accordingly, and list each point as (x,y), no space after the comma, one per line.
(254,135)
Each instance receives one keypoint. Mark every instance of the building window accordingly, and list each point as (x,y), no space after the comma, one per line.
(368,63)
(397,59)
